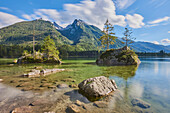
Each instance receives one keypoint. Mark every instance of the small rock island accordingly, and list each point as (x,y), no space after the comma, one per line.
(114,57)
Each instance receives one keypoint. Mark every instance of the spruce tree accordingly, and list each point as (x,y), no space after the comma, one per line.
(108,38)
(49,48)
(128,39)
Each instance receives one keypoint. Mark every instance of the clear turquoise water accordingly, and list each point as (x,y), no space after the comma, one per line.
(151,83)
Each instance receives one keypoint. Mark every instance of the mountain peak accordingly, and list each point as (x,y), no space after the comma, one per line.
(57,26)
(78,22)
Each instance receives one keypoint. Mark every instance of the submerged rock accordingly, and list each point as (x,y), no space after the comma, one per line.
(23,109)
(140,103)
(73,109)
(1,80)
(61,86)
(44,72)
(97,86)
(123,56)
(101,104)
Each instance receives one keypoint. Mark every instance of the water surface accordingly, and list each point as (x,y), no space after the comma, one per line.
(150,81)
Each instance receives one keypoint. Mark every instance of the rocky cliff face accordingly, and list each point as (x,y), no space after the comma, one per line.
(121,56)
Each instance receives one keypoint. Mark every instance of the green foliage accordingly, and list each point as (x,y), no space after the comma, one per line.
(49,48)
(107,53)
(108,38)
(128,37)
(22,33)
(125,55)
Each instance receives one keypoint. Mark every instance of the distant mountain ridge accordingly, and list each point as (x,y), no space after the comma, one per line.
(78,33)
(149,47)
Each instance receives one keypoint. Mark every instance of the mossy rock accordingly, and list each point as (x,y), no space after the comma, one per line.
(123,56)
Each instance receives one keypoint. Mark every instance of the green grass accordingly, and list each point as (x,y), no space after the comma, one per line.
(6,60)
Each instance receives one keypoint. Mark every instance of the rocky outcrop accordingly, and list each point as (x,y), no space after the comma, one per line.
(97,86)
(140,103)
(44,72)
(39,58)
(123,56)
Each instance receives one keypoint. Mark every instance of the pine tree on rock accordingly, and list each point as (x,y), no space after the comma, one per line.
(108,38)
(49,49)
(128,39)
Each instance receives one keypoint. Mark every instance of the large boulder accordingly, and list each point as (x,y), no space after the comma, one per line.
(123,56)
(97,86)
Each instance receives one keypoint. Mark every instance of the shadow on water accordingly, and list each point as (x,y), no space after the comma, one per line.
(75,95)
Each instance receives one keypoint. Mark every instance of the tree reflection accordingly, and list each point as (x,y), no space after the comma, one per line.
(124,72)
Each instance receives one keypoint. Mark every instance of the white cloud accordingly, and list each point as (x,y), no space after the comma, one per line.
(46,14)
(4,8)
(123,4)
(135,21)
(151,25)
(8,19)
(155,42)
(166,18)
(136,89)
(28,17)
(165,41)
(93,12)
(168,31)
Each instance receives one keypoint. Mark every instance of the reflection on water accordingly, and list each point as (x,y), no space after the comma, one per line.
(124,72)
(150,82)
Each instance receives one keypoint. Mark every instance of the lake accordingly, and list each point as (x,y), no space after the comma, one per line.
(150,81)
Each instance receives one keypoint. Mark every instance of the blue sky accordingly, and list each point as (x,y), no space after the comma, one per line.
(149,19)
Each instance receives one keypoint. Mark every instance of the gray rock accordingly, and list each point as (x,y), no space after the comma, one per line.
(33,73)
(61,86)
(140,103)
(44,72)
(97,86)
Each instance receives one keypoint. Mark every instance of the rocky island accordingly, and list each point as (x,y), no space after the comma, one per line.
(122,56)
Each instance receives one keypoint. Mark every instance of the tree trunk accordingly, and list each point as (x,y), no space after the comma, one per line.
(107,43)
(126,43)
